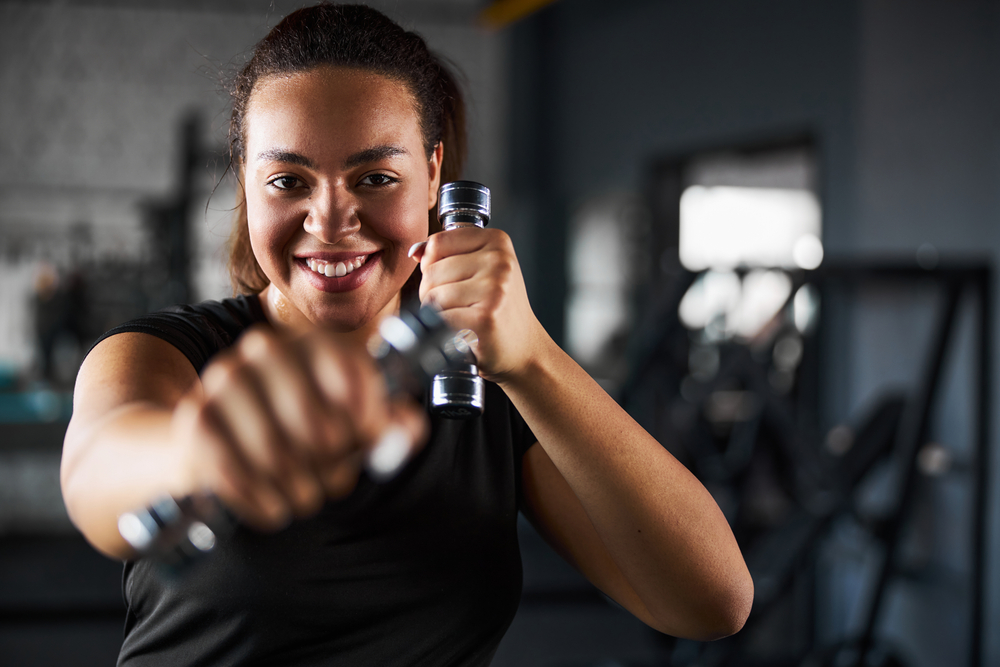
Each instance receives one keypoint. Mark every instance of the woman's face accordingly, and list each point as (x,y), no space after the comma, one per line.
(337,190)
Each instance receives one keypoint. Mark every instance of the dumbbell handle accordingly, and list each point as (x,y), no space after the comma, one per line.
(459,393)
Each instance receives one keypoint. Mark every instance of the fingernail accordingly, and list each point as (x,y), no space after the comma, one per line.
(389,454)
(416,247)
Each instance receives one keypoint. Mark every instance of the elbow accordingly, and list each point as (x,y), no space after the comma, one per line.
(709,616)
(731,611)
(727,612)
(103,536)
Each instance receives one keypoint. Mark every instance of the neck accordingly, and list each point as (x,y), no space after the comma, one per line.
(282,314)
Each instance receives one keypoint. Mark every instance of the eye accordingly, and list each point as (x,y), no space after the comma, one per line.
(284,182)
(378,180)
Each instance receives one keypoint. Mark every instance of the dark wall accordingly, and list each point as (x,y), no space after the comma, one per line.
(613,86)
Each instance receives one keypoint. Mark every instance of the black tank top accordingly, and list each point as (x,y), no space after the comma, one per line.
(422,570)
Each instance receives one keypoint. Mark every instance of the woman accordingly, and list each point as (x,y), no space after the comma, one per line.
(343,128)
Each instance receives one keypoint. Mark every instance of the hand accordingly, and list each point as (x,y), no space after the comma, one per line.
(279,425)
(474,278)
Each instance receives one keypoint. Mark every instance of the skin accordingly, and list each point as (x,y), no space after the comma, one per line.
(311,192)
(335,170)
(284,418)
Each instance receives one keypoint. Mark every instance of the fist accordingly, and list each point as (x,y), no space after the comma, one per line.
(473,276)
(278,425)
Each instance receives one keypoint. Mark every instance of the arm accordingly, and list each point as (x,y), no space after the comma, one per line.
(272,427)
(623,510)
(117,454)
(603,491)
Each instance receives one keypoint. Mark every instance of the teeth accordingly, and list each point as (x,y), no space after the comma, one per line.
(338,269)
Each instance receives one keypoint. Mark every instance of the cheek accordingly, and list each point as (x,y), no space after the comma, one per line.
(405,221)
(268,235)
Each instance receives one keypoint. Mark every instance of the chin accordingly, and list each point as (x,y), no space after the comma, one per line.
(335,320)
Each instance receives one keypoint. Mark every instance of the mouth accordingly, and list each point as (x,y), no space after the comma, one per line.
(340,274)
(336,269)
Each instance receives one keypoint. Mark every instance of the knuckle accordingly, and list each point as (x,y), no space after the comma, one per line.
(487,323)
(217,372)
(258,344)
(502,271)
(226,372)
(330,377)
(431,250)
(430,293)
(205,416)
(499,236)
(429,274)
(499,241)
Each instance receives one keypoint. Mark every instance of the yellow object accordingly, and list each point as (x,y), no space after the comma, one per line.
(502,13)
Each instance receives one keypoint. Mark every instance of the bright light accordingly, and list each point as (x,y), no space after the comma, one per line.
(808,252)
(805,307)
(714,294)
(723,227)
(764,293)
(738,308)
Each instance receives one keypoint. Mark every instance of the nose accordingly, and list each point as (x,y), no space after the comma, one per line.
(332,213)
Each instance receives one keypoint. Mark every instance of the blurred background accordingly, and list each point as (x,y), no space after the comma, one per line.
(767,227)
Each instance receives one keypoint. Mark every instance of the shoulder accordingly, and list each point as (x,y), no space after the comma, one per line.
(232,315)
(198,331)
(132,367)
(218,323)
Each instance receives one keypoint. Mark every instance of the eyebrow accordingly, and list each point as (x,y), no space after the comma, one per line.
(373,154)
(281,155)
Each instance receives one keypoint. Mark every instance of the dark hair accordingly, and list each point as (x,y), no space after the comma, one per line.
(356,37)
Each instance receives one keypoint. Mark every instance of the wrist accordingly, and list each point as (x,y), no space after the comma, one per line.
(535,365)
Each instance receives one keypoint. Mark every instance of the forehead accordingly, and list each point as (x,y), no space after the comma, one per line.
(330,104)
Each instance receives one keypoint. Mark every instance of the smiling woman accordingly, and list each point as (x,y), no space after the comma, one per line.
(343,128)
(337,177)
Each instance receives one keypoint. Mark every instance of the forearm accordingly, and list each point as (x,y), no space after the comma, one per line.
(661,527)
(116,465)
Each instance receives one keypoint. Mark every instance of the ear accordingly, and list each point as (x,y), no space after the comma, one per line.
(434,175)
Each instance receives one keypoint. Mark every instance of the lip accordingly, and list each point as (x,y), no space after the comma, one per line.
(351,281)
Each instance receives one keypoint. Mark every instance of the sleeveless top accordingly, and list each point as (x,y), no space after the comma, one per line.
(421,570)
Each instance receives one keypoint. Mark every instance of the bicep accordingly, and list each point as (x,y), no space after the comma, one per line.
(560,518)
